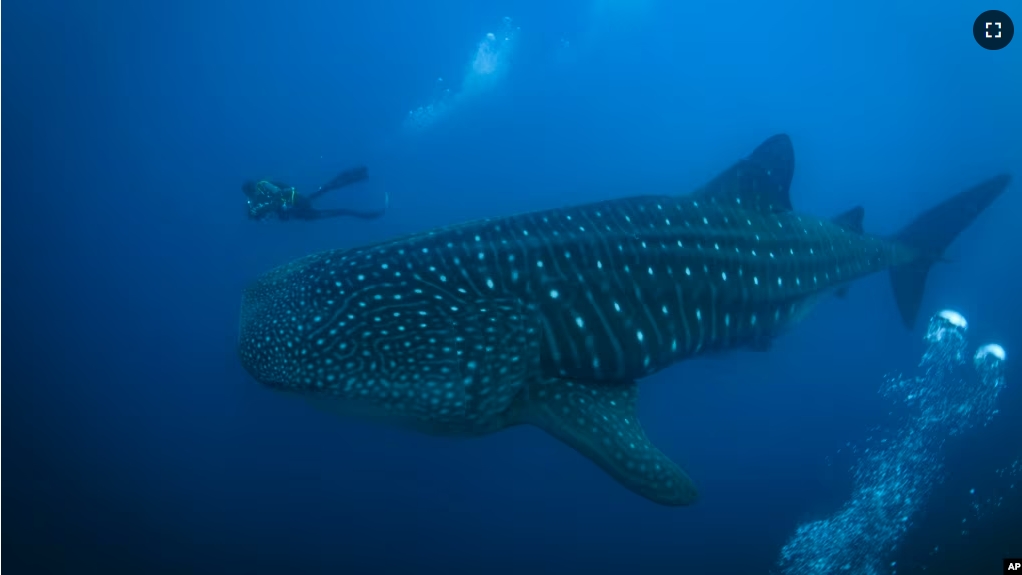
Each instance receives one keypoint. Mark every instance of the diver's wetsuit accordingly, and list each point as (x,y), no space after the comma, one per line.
(266,197)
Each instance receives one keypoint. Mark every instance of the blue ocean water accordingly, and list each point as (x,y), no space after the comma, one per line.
(137,443)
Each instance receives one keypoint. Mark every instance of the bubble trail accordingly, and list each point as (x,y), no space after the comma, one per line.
(488,66)
(894,479)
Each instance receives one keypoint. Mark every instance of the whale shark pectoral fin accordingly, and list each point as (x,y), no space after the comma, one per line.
(599,421)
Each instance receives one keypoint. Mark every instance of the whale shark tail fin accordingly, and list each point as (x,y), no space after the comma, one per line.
(931,233)
(599,421)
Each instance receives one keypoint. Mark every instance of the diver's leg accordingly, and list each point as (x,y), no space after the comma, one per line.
(345,178)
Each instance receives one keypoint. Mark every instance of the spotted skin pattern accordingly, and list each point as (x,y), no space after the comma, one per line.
(548,318)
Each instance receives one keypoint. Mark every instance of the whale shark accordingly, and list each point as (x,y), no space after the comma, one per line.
(550,318)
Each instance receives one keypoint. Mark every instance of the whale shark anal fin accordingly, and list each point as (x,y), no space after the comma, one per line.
(598,419)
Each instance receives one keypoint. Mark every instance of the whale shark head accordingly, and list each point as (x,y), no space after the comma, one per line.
(363,325)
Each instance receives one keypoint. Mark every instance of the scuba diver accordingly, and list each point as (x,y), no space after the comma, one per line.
(266,197)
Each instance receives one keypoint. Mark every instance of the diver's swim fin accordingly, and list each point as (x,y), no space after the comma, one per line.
(345,178)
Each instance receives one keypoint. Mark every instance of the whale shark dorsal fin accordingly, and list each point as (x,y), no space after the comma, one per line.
(598,419)
(760,182)
(851,220)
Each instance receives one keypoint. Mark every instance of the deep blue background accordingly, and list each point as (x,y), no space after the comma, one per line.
(136,443)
